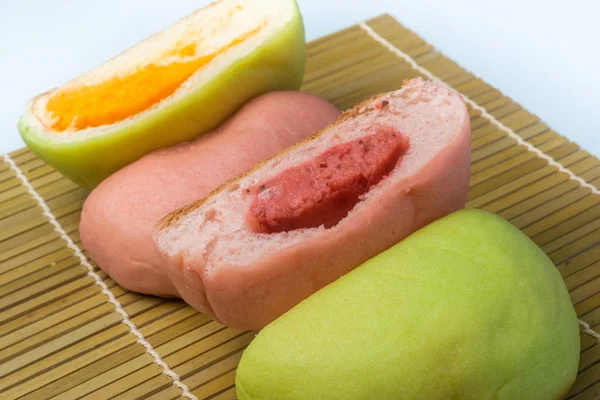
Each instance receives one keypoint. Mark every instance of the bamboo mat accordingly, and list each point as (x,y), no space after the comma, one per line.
(61,336)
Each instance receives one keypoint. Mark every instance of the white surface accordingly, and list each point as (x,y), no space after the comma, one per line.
(541,53)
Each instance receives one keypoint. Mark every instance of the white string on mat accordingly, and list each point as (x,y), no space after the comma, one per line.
(98,280)
(483,112)
(588,329)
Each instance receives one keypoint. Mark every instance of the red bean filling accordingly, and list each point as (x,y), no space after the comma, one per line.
(323,190)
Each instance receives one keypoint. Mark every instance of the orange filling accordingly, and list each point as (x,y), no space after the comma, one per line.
(121,97)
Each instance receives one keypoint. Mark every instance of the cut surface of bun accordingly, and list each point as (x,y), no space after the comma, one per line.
(158,71)
(249,276)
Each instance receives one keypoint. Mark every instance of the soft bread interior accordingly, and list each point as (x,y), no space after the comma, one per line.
(209,39)
(214,231)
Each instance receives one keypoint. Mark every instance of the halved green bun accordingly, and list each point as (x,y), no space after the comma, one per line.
(173,86)
(466,308)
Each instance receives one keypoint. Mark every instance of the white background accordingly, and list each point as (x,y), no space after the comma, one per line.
(544,54)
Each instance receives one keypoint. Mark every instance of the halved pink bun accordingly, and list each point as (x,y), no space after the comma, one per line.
(119,216)
(268,239)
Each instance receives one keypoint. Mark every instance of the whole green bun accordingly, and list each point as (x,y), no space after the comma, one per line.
(466,308)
